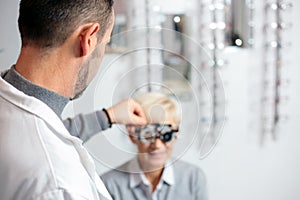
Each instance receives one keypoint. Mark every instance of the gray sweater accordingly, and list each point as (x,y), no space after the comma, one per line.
(81,126)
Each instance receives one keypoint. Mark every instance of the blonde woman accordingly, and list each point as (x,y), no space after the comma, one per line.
(152,174)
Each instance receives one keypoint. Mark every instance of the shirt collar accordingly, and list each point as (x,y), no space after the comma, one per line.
(55,101)
(136,176)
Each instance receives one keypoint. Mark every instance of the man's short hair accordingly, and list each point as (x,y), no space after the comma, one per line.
(48,23)
(159,108)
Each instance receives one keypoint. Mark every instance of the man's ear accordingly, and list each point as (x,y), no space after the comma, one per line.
(88,38)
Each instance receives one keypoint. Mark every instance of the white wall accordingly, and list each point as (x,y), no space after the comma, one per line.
(10,39)
(239,167)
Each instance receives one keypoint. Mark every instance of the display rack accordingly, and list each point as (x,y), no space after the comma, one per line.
(275,64)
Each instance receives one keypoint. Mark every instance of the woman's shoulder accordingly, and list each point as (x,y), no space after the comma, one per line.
(187,169)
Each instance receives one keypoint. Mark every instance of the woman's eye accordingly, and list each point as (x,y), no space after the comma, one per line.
(167,137)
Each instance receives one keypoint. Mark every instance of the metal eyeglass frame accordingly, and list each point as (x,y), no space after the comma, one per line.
(149,133)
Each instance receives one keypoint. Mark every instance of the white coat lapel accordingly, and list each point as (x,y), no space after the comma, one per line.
(41,110)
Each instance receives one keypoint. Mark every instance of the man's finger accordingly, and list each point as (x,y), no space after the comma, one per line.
(139,120)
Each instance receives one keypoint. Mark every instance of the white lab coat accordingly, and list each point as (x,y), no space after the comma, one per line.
(39,159)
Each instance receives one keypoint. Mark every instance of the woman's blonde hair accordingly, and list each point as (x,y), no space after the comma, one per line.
(159,108)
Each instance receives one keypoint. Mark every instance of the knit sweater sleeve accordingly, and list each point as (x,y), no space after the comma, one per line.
(84,126)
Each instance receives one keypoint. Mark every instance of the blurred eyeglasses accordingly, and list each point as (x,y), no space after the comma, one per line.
(149,133)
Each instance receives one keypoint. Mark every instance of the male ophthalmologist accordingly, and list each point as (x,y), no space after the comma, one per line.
(62,46)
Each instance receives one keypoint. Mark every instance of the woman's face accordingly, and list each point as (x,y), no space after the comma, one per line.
(153,155)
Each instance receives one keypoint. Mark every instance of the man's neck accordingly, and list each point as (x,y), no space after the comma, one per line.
(48,70)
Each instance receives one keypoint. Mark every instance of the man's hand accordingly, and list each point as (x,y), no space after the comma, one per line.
(127,112)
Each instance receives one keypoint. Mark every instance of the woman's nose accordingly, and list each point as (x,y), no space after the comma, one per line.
(157,143)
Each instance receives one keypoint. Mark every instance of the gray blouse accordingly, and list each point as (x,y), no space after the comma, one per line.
(180,180)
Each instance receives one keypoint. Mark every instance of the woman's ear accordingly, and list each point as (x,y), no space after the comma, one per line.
(88,38)
(130,130)
(176,136)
